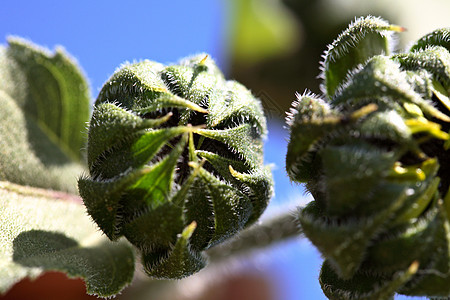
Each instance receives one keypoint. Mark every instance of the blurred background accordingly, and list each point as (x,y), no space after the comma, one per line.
(272,46)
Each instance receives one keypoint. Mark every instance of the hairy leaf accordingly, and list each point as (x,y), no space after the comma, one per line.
(41,230)
(45,105)
(363,39)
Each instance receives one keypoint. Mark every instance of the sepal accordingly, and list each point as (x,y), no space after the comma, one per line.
(364,38)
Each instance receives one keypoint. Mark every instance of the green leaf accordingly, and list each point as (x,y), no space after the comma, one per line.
(310,119)
(433,278)
(155,186)
(363,39)
(237,108)
(231,208)
(260,189)
(397,250)
(434,59)
(364,286)
(439,37)
(382,74)
(344,245)
(179,262)
(262,29)
(45,107)
(118,122)
(243,139)
(42,232)
(100,194)
(197,205)
(348,165)
(165,221)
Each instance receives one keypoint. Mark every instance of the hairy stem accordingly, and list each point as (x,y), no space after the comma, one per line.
(276,229)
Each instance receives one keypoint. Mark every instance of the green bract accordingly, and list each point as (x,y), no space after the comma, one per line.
(175,161)
(373,153)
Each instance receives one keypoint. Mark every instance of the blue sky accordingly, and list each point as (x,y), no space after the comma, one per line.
(103,34)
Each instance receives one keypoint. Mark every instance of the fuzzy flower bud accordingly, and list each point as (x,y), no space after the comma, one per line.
(175,157)
(374,155)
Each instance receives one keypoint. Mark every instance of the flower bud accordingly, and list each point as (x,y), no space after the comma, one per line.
(175,157)
(374,155)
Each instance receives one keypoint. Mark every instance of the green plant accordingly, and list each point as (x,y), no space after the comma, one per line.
(44,101)
(174,158)
(374,155)
(174,164)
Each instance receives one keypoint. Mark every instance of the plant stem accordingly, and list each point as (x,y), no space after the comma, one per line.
(275,229)
(39,192)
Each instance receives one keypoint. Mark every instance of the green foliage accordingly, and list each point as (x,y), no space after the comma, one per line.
(175,165)
(374,156)
(175,162)
(261,29)
(45,107)
(42,231)
(353,47)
